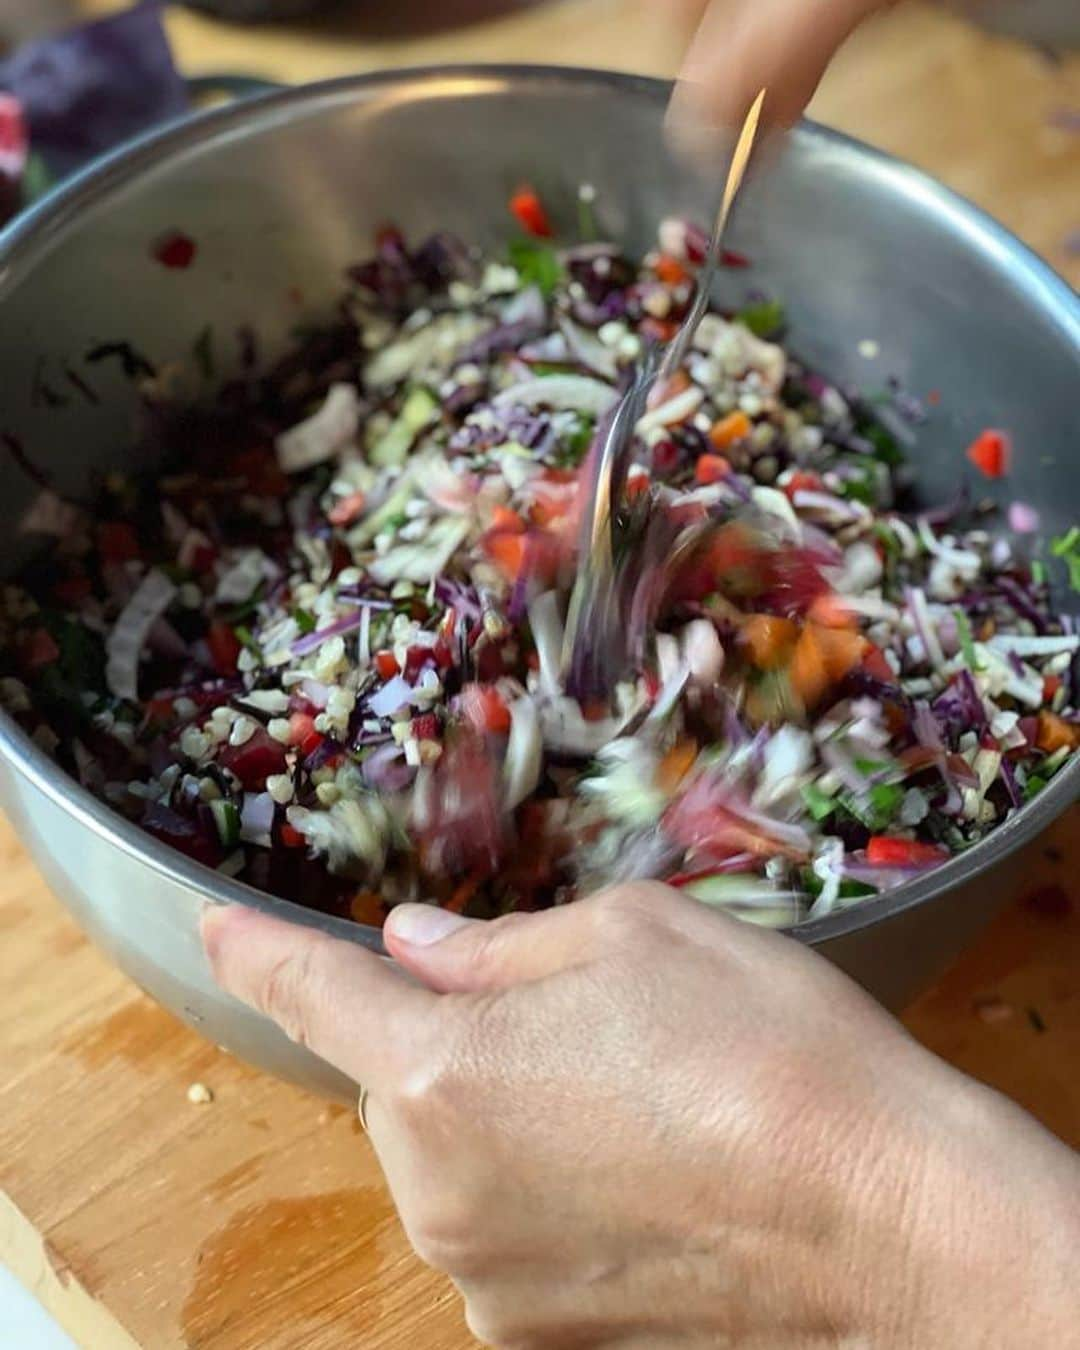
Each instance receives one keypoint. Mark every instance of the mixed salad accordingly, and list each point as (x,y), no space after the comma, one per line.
(323,647)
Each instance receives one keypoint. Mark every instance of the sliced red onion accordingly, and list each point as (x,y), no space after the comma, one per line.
(776,504)
(963,560)
(547,630)
(925,726)
(311,642)
(385,769)
(238,580)
(837,507)
(575,393)
(1008,777)
(49,514)
(315,692)
(588,350)
(363,642)
(323,435)
(885,878)
(1022,646)
(527,307)
(567,732)
(125,643)
(394,695)
(257,818)
(553,350)
(1022,602)
(673,411)
(524,753)
(1023,519)
(793,836)
(924,625)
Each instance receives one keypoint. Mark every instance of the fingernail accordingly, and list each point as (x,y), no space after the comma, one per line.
(424,925)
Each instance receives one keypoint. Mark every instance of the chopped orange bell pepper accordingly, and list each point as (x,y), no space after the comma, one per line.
(809,670)
(841,649)
(768,639)
(1056,734)
(675,765)
(507,521)
(736,426)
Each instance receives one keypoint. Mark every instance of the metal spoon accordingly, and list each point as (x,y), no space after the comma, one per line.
(592,608)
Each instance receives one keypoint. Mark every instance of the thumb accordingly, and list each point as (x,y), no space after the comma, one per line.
(451,954)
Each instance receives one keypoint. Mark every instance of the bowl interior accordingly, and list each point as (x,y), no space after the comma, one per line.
(279,195)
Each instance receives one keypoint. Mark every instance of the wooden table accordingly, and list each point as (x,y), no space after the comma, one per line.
(259,1221)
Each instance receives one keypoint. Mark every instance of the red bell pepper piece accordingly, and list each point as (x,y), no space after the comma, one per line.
(991,453)
(885,851)
(529,211)
(302,733)
(482,706)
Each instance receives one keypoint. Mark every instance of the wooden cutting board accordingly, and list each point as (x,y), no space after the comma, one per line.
(258,1221)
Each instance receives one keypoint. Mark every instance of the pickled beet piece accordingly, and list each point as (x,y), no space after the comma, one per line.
(253,761)
(182,834)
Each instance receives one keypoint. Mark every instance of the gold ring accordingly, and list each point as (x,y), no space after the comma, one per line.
(361,1110)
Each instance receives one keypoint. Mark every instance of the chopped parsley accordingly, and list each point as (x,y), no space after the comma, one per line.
(820,805)
(1067,548)
(764,318)
(967,643)
(537,264)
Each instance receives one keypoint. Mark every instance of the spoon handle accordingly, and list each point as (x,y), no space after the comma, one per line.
(740,159)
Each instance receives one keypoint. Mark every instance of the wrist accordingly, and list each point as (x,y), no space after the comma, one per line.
(988,1232)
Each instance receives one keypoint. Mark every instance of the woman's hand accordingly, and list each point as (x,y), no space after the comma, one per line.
(635,1122)
(742,46)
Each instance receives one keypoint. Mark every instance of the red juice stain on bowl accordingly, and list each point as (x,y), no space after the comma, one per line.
(174,250)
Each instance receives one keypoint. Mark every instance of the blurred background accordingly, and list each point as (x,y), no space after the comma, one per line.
(985,94)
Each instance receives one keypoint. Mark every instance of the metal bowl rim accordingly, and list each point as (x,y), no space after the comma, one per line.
(43,221)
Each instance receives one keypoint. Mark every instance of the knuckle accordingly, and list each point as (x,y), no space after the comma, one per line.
(491,943)
(447,1242)
(280,994)
(435,1092)
(496,1324)
(626,912)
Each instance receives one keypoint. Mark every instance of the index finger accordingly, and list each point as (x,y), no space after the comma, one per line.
(350,1007)
(743,46)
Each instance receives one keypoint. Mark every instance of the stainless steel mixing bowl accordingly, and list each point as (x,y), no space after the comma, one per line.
(279,194)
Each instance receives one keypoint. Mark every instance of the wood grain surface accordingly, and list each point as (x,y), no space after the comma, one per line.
(258,1221)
